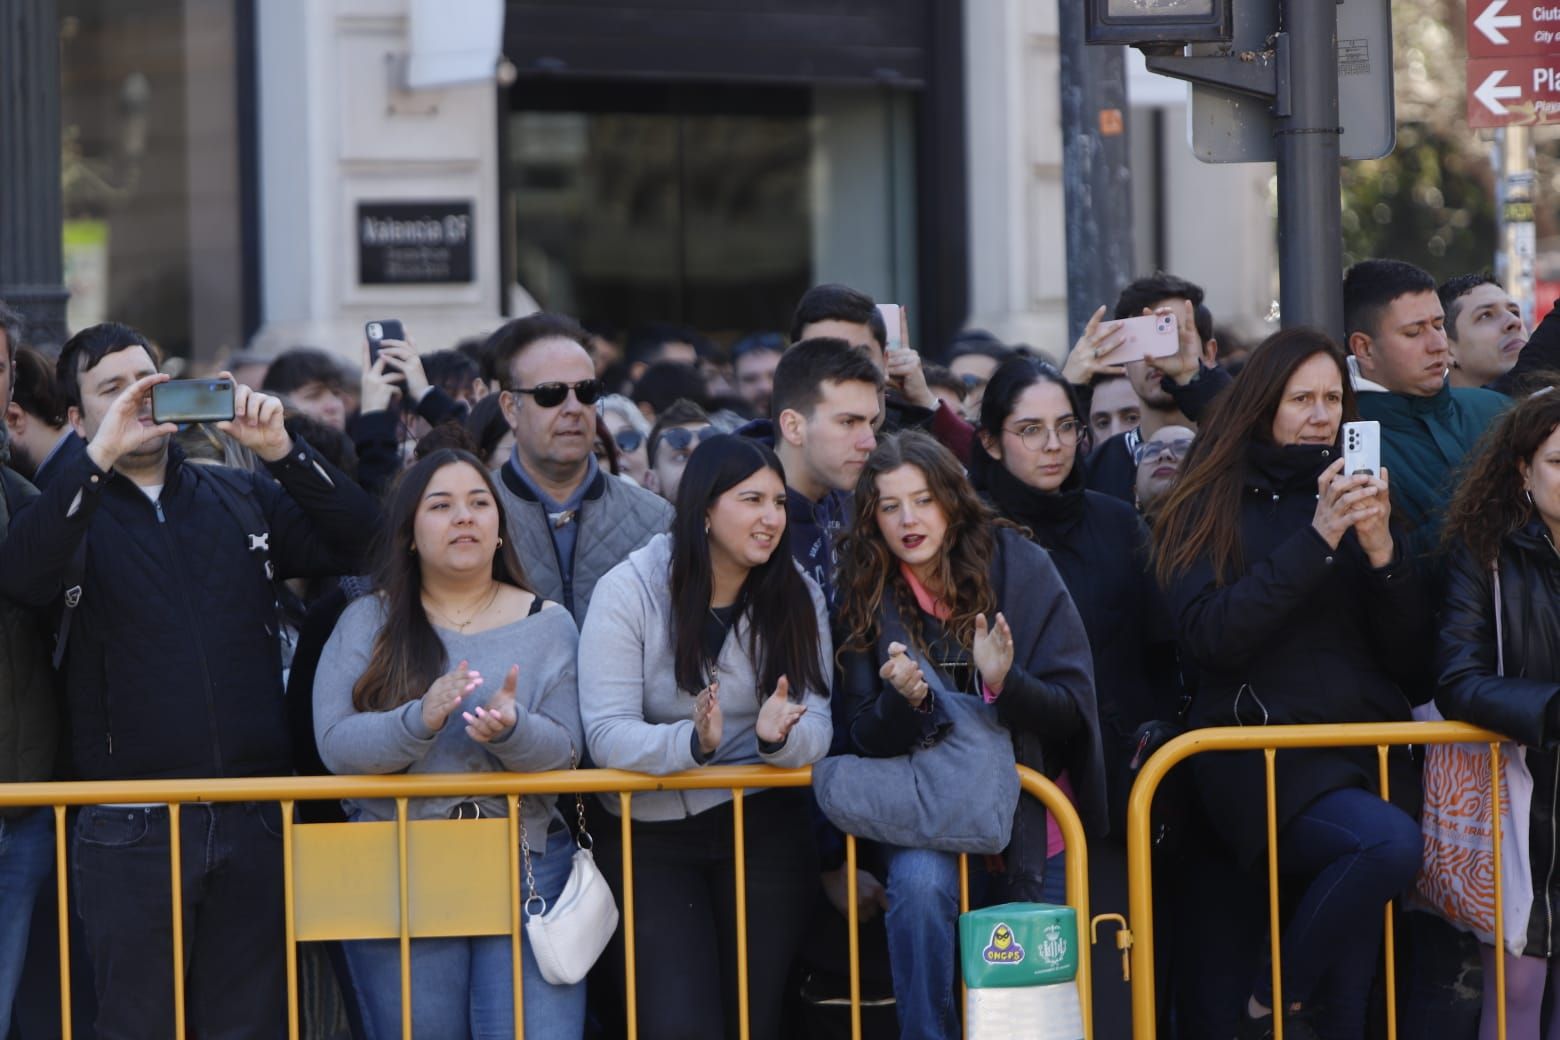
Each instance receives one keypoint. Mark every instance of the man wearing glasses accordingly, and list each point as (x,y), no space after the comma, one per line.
(571,522)
(678,430)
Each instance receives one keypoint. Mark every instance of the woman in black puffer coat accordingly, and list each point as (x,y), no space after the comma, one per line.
(1293,603)
(1506,515)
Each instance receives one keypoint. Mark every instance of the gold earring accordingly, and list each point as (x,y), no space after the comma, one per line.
(500,541)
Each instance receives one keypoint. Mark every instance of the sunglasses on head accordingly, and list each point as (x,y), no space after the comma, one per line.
(551,395)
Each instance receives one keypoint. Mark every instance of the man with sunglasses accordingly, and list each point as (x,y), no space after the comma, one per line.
(570,521)
(677,431)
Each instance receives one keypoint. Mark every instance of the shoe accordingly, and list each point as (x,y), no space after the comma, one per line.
(1297,1026)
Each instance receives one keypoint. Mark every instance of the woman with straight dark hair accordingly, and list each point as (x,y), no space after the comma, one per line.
(708,646)
(935,591)
(1294,604)
(387,699)
(1503,673)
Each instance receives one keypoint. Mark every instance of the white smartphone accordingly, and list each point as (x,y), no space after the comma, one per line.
(1362,447)
(1147,336)
(891,321)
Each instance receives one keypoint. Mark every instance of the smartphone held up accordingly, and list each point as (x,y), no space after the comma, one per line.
(1143,337)
(192,400)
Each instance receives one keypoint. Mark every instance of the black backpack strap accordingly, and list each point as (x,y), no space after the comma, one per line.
(238,498)
(74,574)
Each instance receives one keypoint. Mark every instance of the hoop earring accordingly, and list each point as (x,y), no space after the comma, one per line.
(1529,493)
(500,541)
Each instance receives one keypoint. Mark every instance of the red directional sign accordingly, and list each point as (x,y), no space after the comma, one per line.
(1502,28)
(1514,91)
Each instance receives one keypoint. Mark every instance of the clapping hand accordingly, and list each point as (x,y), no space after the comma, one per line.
(707,718)
(443,697)
(904,675)
(778,715)
(493,722)
(992,650)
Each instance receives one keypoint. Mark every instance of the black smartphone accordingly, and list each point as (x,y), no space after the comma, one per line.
(379,331)
(192,400)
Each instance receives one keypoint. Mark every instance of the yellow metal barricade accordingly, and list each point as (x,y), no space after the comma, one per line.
(1269,740)
(361,880)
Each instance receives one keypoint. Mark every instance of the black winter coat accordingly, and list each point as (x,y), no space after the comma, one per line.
(1100,547)
(1522,705)
(173,667)
(1306,634)
(1047,702)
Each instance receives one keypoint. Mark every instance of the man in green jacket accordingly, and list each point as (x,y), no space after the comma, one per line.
(1400,358)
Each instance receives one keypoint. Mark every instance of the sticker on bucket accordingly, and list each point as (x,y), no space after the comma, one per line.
(1004,948)
(1053,951)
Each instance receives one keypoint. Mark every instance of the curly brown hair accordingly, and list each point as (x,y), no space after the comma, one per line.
(1489,503)
(867,567)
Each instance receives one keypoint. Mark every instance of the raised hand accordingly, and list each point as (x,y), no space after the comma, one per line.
(1090,355)
(376,391)
(401,358)
(904,675)
(257,422)
(1374,530)
(1184,364)
(778,714)
(444,695)
(707,719)
(494,721)
(1344,501)
(127,425)
(992,650)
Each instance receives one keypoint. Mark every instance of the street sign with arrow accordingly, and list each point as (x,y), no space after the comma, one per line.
(1515,91)
(1502,28)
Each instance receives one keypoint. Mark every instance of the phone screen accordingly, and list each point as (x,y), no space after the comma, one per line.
(193,400)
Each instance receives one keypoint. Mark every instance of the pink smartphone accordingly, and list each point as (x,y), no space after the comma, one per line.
(1148,336)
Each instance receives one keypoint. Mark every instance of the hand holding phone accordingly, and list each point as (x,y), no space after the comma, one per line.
(379,331)
(1362,447)
(1143,337)
(893,322)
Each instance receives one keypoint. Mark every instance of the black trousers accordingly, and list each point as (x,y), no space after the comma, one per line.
(234,936)
(685,915)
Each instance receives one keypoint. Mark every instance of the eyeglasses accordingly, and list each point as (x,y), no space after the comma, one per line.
(680,438)
(1037,435)
(628,440)
(551,395)
(1153,451)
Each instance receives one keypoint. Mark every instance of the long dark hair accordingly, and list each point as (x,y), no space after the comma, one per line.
(868,567)
(408,654)
(1201,514)
(1489,503)
(1011,378)
(782,622)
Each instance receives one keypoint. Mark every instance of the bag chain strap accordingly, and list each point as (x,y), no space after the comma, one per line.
(582,839)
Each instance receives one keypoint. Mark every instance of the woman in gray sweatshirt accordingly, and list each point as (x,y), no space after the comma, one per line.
(709,646)
(455,665)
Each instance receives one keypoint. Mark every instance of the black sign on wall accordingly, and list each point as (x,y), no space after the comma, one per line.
(410,243)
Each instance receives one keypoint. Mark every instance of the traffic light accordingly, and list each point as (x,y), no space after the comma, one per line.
(1135,22)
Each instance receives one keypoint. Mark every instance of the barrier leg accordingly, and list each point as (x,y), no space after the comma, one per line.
(1500,908)
(175,853)
(406,919)
(630,993)
(738,824)
(853,922)
(288,915)
(1388,936)
(62,892)
(1269,755)
(517,898)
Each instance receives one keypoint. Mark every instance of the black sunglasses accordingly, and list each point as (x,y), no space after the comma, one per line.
(628,440)
(551,395)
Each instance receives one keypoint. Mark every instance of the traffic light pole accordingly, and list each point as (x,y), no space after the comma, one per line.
(1310,233)
(1298,78)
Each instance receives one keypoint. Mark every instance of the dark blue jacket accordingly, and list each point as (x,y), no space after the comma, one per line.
(173,668)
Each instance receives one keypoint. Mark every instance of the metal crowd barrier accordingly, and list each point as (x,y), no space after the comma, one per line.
(381,897)
(1269,740)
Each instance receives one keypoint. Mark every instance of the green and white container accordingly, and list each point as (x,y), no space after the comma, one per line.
(1020,963)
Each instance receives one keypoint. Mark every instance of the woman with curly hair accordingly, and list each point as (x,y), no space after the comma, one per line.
(936,592)
(1499,663)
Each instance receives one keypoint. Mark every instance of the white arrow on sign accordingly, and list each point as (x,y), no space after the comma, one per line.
(1491,92)
(1491,22)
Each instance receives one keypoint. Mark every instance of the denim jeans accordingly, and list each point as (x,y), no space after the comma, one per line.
(234,940)
(465,986)
(923,933)
(1359,852)
(26,853)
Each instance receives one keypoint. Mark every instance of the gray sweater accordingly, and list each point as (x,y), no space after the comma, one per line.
(546,732)
(635,716)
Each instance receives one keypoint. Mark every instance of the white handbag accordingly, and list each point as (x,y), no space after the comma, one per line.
(568,937)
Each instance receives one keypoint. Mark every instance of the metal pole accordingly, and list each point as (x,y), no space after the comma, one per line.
(1096,170)
(1310,235)
(1514,190)
(30,243)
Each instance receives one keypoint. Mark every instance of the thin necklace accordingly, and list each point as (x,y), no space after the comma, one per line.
(460,626)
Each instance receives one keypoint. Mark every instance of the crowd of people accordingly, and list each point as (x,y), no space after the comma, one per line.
(560,546)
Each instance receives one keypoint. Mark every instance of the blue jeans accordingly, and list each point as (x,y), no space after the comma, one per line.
(1360,852)
(26,853)
(235,965)
(464,986)
(923,933)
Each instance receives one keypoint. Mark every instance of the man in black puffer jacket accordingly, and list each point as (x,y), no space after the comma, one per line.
(172,669)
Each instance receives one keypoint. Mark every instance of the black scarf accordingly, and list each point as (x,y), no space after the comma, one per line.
(1290,467)
(1049,514)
